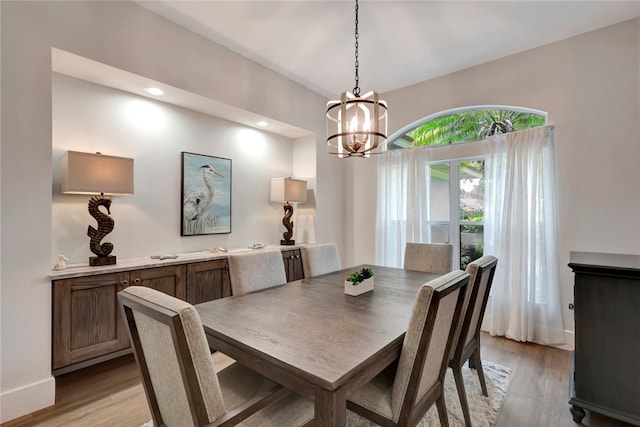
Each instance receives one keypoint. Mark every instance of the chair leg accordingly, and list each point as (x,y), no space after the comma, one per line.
(462,395)
(442,411)
(477,362)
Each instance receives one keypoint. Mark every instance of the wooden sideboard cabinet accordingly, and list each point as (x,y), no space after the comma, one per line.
(605,364)
(88,326)
(292,264)
(208,280)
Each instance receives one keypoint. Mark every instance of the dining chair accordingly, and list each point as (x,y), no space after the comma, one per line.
(428,257)
(404,392)
(179,376)
(467,345)
(320,259)
(253,271)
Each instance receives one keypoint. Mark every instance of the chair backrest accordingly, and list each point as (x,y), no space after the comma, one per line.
(253,271)
(171,349)
(481,272)
(320,259)
(427,343)
(428,257)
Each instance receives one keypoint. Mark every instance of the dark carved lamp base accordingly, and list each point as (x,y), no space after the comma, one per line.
(96,261)
(287,242)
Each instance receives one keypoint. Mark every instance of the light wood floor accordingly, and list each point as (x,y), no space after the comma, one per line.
(110,394)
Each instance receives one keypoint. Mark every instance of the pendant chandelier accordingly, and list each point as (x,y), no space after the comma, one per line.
(356,125)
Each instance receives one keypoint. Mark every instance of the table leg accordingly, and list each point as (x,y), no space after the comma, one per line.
(330,408)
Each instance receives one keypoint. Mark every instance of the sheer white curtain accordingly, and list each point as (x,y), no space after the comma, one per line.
(521,230)
(403,203)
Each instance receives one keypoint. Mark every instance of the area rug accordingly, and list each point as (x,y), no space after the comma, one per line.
(484,410)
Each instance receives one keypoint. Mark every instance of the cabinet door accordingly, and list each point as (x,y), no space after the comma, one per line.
(170,279)
(607,342)
(87,321)
(208,280)
(292,264)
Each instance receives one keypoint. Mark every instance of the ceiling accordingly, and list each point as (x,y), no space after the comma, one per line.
(312,42)
(401,42)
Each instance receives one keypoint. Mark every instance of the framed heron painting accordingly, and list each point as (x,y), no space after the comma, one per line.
(206,195)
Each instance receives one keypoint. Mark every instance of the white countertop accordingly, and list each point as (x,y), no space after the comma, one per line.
(127,264)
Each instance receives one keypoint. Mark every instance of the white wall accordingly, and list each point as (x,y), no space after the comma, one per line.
(589,86)
(304,167)
(91,118)
(130,38)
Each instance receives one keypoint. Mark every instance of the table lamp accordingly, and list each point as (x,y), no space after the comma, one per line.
(100,176)
(288,190)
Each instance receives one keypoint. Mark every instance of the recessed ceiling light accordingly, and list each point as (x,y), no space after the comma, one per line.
(262,123)
(154,91)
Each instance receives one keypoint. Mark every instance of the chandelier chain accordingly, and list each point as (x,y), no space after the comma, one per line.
(356,89)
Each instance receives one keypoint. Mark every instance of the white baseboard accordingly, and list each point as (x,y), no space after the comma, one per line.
(570,337)
(27,399)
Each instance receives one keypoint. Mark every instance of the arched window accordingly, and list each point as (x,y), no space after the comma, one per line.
(465,124)
(456,177)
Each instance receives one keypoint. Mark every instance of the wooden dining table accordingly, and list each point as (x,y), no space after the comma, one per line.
(312,338)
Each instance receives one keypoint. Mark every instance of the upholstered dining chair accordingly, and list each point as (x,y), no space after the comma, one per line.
(403,393)
(467,345)
(179,377)
(320,259)
(428,257)
(253,271)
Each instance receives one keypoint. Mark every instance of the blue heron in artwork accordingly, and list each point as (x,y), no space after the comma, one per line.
(197,204)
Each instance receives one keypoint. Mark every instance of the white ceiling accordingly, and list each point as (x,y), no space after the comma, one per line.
(401,42)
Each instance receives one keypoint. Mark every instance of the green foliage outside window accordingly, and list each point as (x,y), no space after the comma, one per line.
(469,253)
(470,126)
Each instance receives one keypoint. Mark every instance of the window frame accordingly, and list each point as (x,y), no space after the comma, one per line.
(457,152)
(454,223)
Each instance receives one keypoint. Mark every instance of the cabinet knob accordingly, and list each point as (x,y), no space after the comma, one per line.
(125,283)
(571,306)
(136,280)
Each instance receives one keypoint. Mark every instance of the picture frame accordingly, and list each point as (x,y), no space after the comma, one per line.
(205,195)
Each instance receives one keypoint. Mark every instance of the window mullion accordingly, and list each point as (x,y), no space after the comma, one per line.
(454,211)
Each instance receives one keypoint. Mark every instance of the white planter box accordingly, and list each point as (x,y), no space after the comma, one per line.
(355,290)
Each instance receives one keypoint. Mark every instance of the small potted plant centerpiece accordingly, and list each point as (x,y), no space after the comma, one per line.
(359,282)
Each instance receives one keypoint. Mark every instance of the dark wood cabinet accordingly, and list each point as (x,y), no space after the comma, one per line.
(292,264)
(606,373)
(88,326)
(87,323)
(208,280)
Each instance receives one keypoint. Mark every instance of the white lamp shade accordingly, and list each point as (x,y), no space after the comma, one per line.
(88,173)
(288,190)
